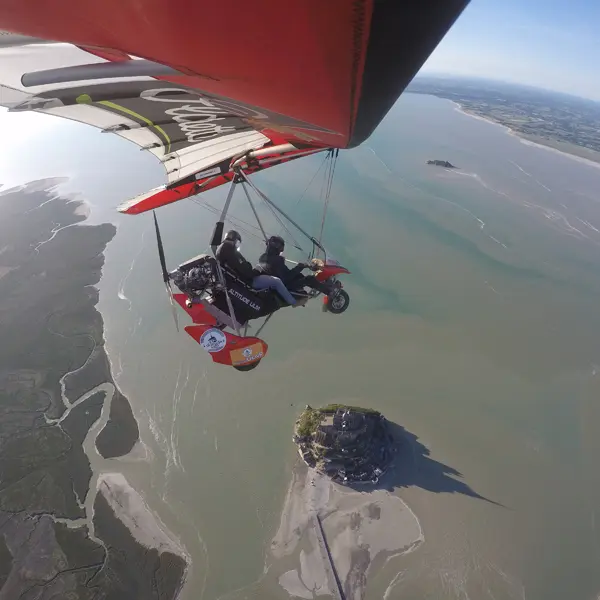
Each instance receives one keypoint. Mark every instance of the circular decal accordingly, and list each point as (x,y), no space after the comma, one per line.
(213,340)
(247,352)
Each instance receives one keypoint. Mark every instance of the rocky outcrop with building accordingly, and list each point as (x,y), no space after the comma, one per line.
(348,443)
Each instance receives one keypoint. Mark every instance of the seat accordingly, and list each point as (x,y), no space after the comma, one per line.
(244,282)
(266,297)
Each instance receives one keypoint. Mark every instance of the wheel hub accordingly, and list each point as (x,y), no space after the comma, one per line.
(337,301)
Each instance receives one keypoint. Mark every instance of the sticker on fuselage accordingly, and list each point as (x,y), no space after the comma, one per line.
(247,355)
(213,340)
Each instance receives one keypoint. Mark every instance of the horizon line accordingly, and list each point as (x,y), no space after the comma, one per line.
(445,75)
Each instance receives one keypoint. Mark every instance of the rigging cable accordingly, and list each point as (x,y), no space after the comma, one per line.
(325,178)
(283,225)
(274,213)
(328,192)
(327,155)
(262,230)
(325,158)
(233,221)
(279,210)
(230,219)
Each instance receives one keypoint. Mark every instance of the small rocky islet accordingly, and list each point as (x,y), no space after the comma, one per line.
(442,163)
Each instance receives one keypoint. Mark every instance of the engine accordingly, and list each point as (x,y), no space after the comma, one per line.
(196,275)
(199,278)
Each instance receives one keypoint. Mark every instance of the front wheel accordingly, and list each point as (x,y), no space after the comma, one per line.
(339,303)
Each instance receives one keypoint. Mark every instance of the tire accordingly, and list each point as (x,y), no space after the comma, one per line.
(339,303)
(249,367)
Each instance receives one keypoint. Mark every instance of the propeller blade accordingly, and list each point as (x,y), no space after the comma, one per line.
(161,251)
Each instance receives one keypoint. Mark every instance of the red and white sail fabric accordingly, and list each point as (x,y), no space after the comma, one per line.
(199,83)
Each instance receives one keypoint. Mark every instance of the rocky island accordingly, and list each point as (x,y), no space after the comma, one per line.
(441,163)
(348,443)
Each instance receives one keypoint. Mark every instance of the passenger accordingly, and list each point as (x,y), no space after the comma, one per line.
(229,255)
(272,263)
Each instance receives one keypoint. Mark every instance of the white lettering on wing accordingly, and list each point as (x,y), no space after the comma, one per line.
(198,117)
(198,123)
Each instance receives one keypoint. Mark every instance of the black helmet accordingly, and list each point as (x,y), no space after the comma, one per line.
(276,243)
(233,236)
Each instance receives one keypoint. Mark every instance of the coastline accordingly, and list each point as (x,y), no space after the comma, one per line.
(526,140)
(63,414)
(363,527)
(360,527)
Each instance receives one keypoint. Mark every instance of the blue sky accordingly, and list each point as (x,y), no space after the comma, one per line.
(554,44)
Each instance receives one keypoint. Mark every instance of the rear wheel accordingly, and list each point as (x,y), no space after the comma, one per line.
(338,303)
(247,367)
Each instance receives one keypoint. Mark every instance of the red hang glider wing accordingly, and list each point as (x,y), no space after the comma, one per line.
(337,65)
(197,82)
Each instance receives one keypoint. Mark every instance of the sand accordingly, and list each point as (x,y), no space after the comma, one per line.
(359,527)
(130,508)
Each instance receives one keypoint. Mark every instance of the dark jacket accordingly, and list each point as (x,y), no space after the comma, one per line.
(228,255)
(274,264)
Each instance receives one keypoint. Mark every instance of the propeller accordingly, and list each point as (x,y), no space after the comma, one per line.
(165,273)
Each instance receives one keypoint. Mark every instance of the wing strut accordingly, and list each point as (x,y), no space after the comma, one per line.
(217,237)
(254,210)
(215,242)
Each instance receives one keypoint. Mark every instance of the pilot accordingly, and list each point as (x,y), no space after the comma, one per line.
(229,255)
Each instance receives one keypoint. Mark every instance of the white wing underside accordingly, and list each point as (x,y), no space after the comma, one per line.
(186,132)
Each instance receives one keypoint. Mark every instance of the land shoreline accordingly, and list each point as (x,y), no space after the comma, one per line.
(334,535)
(59,403)
(359,526)
(568,150)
